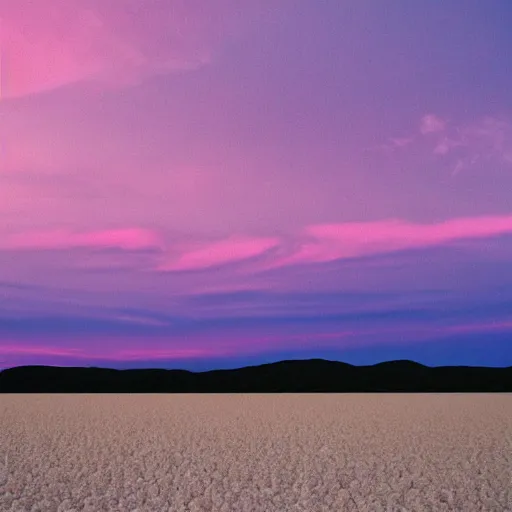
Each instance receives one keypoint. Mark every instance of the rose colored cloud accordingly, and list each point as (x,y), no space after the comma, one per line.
(316,243)
(336,241)
(432,124)
(127,239)
(221,252)
(48,44)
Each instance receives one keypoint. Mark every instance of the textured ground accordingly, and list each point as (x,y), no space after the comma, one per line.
(255,452)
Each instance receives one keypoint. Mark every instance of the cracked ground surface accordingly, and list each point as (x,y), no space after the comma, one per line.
(302,452)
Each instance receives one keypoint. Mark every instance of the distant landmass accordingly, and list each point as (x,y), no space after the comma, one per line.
(295,376)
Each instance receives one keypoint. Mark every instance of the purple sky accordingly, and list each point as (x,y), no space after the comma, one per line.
(203,184)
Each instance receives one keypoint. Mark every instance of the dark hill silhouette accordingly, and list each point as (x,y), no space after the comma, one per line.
(295,376)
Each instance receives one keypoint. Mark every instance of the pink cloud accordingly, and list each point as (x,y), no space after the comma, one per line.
(314,244)
(49,44)
(218,253)
(432,124)
(336,241)
(127,239)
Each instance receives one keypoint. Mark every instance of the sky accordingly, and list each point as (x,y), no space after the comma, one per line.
(207,184)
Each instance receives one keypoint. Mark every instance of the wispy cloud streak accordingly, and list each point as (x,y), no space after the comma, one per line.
(349,240)
(49,45)
(127,239)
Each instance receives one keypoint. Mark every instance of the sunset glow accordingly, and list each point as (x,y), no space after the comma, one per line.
(203,184)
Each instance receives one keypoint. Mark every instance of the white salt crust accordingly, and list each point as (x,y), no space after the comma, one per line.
(236,453)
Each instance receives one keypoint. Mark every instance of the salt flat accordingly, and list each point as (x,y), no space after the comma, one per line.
(255,452)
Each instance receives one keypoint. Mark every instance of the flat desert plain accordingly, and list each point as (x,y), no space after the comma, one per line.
(305,452)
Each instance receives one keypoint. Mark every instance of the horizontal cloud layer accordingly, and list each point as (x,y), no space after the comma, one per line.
(200,320)
(316,243)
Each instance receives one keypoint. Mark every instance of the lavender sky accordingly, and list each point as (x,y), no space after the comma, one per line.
(214,183)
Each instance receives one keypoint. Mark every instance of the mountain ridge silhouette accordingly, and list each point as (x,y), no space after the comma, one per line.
(287,376)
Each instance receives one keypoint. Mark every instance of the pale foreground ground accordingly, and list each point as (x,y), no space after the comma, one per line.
(255,453)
